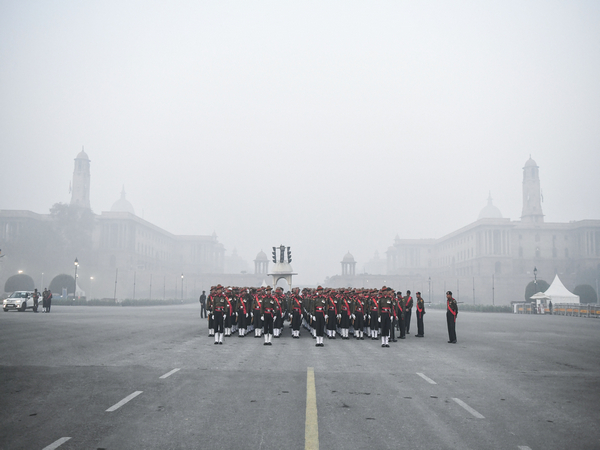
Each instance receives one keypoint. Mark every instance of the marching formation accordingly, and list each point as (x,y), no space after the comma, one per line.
(378,313)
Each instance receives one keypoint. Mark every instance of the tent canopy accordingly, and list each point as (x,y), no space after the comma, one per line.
(558,293)
(539,296)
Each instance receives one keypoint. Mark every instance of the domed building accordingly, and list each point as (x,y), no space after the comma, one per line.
(491,260)
(261,263)
(490,211)
(123,205)
(348,265)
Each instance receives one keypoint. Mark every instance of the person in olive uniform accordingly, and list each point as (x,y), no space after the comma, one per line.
(218,311)
(267,312)
(385,315)
(451,314)
(243,311)
(256,315)
(408,305)
(203,305)
(358,316)
(420,313)
(320,306)
(296,308)
(401,309)
(345,312)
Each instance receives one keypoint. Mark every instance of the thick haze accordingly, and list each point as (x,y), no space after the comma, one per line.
(325,126)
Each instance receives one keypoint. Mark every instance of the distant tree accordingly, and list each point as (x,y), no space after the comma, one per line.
(534,288)
(62,281)
(586,293)
(20,282)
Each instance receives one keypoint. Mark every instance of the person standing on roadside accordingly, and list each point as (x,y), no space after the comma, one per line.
(36,297)
(420,313)
(203,305)
(451,314)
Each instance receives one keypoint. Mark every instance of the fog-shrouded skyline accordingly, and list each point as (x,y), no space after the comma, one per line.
(325,126)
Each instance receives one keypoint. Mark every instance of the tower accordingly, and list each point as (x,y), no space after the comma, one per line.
(532,199)
(80,192)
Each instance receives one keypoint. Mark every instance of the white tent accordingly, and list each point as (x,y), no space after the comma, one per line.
(539,296)
(558,293)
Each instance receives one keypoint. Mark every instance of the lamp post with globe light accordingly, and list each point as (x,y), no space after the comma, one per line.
(75,288)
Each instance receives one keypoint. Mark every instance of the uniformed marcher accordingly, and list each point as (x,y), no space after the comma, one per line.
(451,314)
(408,305)
(243,311)
(279,311)
(256,313)
(345,313)
(420,313)
(320,306)
(267,313)
(218,310)
(358,316)
(385,315)
(332,312)
(296,308)
(374,315)
(401,308)
(209,308)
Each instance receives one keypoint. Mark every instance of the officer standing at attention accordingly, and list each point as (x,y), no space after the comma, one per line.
(408,305)
(401,310)
(203,305)
(451,314)
(420,312)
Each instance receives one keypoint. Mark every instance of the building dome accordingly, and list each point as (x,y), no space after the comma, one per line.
(348,258)
(530,162)
(82,155)
(261,256)
(122,205)
(490,211)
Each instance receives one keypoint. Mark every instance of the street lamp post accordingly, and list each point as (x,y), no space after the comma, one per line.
(91,281)
(75,288)
(181,288)
(493,288)
(535,277)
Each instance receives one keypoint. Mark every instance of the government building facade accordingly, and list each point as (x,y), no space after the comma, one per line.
(490,260)
(123,256)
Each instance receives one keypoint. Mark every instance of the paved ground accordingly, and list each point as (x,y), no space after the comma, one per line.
(511,382)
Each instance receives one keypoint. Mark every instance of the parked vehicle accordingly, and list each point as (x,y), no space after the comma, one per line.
(19,300)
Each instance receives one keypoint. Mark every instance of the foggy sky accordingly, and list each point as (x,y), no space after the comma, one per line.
(325,126)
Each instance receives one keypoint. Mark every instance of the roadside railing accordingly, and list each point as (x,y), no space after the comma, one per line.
(559,309)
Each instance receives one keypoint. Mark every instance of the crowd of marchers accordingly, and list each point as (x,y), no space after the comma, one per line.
(378,313)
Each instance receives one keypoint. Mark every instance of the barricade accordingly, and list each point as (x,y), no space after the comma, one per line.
(560,309)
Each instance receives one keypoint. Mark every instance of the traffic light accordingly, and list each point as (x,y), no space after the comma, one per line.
(289,252)
(274,255)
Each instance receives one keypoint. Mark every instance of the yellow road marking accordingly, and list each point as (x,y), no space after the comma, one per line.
(311,428)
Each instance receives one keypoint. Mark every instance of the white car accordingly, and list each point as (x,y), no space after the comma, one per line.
(19,300)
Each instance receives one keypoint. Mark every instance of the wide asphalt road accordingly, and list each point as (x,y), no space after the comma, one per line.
(151,378)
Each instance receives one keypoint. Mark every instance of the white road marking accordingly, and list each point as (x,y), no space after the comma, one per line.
(169,373)
(122,402)
(468,408)
(426,378)
(57,444)
(524,447)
